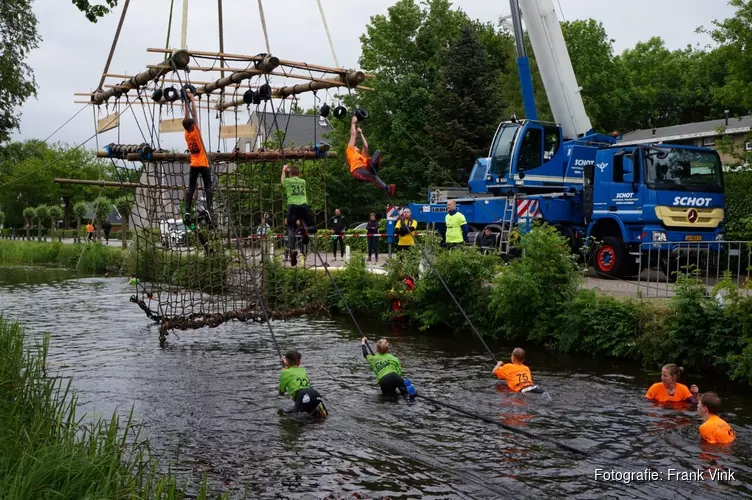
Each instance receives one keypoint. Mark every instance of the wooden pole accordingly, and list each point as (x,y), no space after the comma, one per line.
(184,34)
(351,80)
(180,59)
(137,185)
(291,154)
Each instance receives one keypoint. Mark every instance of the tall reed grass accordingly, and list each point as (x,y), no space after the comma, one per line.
(47,452)
(93,257)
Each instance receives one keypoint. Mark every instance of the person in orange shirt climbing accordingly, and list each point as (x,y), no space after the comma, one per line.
(199,159)
(669,390)
(714,430)
(516,374)
(363,168)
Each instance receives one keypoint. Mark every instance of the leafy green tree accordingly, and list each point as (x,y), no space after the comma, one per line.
(95,11)
(55,213)
(102,207)
(79,212)
(43,215)
(124,206)
(29,215)
(2,217)
(18,37)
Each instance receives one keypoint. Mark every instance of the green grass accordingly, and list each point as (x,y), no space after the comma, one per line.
(46,451)
(93,258)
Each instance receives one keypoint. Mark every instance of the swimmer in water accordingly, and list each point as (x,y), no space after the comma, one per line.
(714,430)
(516,374)
(293,379)
(669,390)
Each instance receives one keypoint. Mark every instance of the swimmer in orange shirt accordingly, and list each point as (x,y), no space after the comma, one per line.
(715,430)
(516,374)
(668,389)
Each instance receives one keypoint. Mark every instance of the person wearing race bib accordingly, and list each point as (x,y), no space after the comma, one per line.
(297,209)
(386,367)
(516,374)
(714,430)
(363,167)
(199,159)
(294,381)
(669,390)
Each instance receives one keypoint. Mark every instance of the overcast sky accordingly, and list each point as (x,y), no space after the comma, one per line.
(73,51)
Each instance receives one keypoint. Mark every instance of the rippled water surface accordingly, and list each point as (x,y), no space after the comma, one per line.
(210,399)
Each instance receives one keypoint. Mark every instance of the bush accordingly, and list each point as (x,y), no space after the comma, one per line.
(738,191)
(93,258)
(532,289)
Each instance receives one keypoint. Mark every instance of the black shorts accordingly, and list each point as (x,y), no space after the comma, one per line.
(307,401)
(302,213)
(392,382)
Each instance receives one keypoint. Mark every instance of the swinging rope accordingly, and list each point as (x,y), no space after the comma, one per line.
(328,36)
(263,26)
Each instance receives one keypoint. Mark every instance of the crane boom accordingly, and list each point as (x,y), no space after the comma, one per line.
(555,66)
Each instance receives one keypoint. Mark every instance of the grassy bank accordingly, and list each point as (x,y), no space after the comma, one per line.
(537,300)
(44,450)
(93,258)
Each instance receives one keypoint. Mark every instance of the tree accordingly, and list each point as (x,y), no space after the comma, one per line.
(734,37)
(80,210)
(55,213)
(95,11)
(124,206)
(29,214)
(18,37)
(43,214)
(2,217)
(102,208)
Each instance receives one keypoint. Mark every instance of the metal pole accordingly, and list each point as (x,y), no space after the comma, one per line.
(523,63)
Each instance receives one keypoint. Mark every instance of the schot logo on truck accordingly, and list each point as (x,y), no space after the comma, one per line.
(692,201)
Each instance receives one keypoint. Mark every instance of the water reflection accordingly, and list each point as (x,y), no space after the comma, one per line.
(210,399)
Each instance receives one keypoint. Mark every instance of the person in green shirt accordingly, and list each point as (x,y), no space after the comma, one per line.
(456,226)
(297,209)
(387,368)
(133,280)
(294,381)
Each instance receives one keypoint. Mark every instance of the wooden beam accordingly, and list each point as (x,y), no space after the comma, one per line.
(243,57)
(179,58)
(350,80)
(109,122)
(136,185)
(292,154)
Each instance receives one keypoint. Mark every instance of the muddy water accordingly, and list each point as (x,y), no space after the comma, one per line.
(209,399)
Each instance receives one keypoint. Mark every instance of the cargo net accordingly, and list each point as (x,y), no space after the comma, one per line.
(222,263)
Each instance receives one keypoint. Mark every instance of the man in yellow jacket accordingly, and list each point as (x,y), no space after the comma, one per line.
(456,226)
(405,227)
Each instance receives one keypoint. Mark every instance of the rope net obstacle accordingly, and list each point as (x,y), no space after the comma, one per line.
(213,260)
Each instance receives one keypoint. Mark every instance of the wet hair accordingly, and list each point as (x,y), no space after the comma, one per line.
(673,370)
(711,401)
(519,354)
(293,357)
(382,346)
(188,123)
(293,170)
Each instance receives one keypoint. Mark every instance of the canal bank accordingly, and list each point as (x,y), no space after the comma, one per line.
(210,400)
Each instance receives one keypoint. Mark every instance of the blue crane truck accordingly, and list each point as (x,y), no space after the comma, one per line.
(614,201)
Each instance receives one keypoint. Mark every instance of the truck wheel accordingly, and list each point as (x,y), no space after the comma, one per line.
(611,258)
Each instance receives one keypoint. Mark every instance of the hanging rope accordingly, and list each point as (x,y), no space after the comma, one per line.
(169,29)
(114,43)
(263,26)
(328,35)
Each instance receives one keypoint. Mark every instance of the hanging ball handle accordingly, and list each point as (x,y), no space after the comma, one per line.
(340,112)
(361,114)
(324,111)
(184,91)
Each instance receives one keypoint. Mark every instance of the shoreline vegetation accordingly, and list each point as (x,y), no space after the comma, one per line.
(536,299)
(45,449)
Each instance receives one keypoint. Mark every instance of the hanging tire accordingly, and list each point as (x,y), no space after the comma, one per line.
(611,258)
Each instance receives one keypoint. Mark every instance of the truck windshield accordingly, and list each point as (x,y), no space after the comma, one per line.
(502,148)
(684,170)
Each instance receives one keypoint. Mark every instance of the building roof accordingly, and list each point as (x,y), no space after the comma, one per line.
(299,130)
(687,131)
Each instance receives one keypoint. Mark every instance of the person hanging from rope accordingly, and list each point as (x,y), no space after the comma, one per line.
(297,209)
(516,374)
(387,368)
(293,379)
(199,159)
(363,167)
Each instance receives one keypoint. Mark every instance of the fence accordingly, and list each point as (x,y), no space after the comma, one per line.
(663,262)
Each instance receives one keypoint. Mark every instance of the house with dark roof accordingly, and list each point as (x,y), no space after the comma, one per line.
(705,134)
(296,129)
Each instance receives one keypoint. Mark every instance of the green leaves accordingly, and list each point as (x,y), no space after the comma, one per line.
(95,11)
(18,37)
